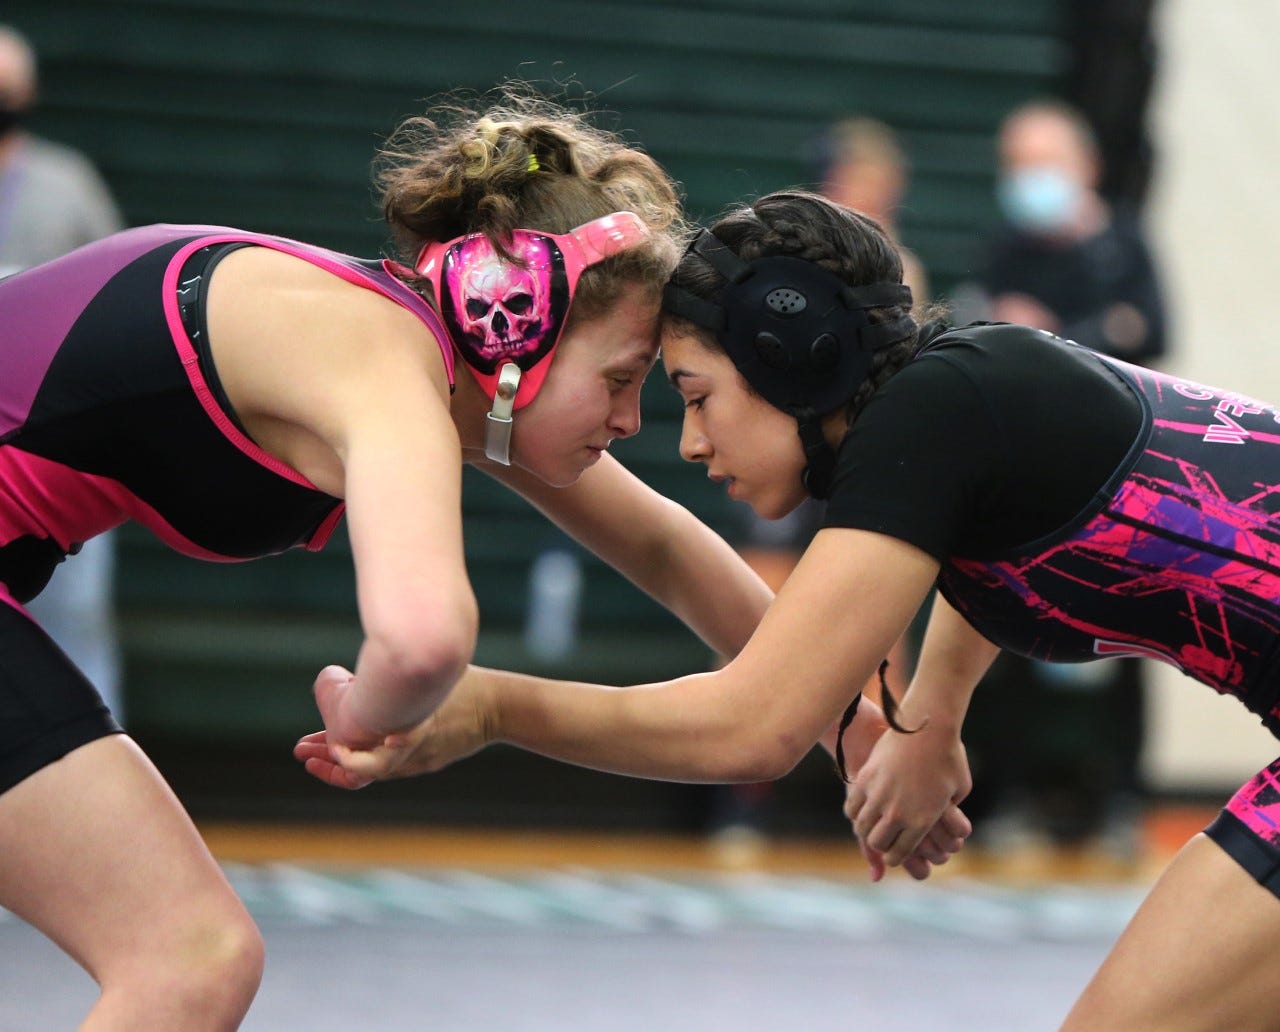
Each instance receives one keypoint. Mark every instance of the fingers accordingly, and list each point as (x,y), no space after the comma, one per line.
(884,846)
(334,674)
(874,861)
(897,839)
(854,800)
(934,850)
(318,760)
(305,750)
(866,819)
(332,774)
(874,831)
(918,867)
(354,761)
(929,852)
(887,835)
(955,823)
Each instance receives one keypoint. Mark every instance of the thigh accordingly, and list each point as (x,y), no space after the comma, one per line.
(96,852)
(1196,956)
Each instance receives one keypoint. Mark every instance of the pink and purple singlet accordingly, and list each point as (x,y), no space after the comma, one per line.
(1177,559)
(111,410)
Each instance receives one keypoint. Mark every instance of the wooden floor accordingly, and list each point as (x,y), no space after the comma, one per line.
(1163,831)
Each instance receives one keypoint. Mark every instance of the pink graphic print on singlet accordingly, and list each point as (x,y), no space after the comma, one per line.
(1181,563)
(1257,804)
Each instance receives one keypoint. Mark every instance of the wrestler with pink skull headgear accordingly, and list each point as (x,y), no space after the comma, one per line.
(505,309)
(260,388)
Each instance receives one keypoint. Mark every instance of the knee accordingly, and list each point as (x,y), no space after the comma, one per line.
(202,974)
(221,969)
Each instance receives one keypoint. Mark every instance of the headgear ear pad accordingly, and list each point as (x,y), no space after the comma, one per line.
(790,335)
(798,334)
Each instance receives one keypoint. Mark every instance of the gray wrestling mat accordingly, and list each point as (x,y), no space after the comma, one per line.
(399,949)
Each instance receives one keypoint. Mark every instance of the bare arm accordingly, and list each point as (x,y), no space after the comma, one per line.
(848,600)
(953,659)
(658,545)
(403,481)
(352,393)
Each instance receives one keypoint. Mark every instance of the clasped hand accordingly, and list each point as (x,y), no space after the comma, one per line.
(343,760)
(907,791)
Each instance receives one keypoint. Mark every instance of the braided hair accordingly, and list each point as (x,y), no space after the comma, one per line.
(800,224)
(805,225)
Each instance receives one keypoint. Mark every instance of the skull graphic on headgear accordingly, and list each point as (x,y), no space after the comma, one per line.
(504,309)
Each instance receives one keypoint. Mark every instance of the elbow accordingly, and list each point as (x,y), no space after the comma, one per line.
(753,756)
(432,662)
(745,734)
(424,658)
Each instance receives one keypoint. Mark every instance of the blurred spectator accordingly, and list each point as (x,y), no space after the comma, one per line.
(865,168)
(1067,262)
(52,201)
(861,165)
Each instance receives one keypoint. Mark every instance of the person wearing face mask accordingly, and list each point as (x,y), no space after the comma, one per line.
(1069,262)
(52,200)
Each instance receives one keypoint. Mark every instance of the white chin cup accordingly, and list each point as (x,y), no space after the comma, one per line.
(497,428)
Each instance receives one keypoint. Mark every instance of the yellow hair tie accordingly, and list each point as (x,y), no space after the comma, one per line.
(533,163)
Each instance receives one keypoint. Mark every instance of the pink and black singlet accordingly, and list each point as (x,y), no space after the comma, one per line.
(1084,508)
(111,410)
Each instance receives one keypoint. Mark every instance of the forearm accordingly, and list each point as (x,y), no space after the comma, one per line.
(953,659)
(708,585)
(672,731)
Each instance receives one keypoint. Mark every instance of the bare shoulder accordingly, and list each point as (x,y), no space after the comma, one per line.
(268,307)
(265,286)
(296,346)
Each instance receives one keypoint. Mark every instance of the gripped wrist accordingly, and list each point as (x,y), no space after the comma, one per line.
(487,701)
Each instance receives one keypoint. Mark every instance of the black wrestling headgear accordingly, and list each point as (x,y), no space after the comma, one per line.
(799,335)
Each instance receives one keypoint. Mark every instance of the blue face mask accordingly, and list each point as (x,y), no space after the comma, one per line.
(1038,200)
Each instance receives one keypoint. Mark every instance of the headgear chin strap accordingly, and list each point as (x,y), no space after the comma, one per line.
(505,316)
(799,335)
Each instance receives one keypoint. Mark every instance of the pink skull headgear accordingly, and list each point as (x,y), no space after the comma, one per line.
(505,318)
